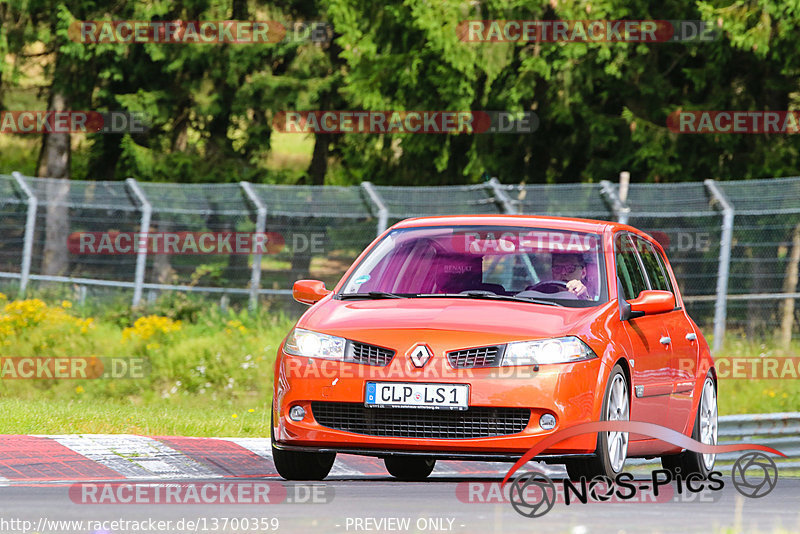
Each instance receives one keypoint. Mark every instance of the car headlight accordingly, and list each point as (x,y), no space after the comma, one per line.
(556,350)
(310,344)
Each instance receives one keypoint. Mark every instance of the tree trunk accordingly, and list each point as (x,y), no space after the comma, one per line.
(54,162)
(319,160)
(105,156)
(301,259)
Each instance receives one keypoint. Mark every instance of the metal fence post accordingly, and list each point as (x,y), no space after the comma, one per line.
(261,227)
(30,228)
(505,201)
(383,213)
(144,230)
(619,209)
(721,305)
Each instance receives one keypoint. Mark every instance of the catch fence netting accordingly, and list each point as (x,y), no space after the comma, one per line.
(317,231)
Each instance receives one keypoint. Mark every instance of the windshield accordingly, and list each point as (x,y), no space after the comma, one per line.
(538,264)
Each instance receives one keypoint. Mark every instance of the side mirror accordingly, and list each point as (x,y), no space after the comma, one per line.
(651,302)
(309,291)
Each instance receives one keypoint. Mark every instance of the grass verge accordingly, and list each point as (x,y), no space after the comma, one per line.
(209,372)
(192,417)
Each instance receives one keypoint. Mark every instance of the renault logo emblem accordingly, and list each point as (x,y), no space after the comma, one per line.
(420,355)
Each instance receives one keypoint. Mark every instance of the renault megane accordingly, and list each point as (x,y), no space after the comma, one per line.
(474,337)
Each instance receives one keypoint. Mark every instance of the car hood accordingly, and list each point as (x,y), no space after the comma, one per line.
(481,321)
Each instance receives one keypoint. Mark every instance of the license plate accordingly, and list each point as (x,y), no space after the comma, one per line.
(416,395)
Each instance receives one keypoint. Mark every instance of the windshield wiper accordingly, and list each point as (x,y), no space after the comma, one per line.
(467,294)
(372,295)
(492,296)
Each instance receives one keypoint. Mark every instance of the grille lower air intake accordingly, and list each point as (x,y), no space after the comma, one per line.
(477,357)
(369,354)
(476,422)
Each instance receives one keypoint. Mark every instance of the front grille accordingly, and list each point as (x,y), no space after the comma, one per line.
(475,422)
(369,354)
(477,357)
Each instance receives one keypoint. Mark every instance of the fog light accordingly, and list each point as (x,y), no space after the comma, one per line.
(297,413)
(547,421)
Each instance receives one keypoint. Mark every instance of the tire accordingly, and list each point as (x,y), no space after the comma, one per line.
(612,447)
(409,467)
(705,431)
(296,465)
(577,469)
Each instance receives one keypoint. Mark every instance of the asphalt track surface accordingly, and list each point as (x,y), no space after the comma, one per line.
(378,503)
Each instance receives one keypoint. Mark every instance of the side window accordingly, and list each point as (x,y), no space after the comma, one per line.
(653,265)
(628,270)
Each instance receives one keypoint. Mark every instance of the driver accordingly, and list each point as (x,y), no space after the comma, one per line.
(570,268)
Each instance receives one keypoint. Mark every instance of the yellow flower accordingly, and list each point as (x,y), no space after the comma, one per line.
(79,390)
(19,315)
(235,324)
(66,304)
(234,416)
(251,410)
(86,324)
(146,327)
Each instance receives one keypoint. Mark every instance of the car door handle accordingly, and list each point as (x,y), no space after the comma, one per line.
(665,340)
(691,336)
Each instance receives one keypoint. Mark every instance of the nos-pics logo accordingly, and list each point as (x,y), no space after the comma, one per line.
(533,493)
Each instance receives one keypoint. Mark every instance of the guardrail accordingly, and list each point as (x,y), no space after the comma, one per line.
(780,431)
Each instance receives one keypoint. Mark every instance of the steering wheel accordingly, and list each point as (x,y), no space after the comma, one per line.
(548,286)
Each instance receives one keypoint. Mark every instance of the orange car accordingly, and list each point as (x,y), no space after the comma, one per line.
(474,337)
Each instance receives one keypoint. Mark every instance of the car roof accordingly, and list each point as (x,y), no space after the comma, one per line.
(533,221)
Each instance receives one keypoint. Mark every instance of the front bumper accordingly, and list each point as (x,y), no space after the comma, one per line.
(566,391)
(437,454)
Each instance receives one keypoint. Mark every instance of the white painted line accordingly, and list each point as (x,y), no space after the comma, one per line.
(341,469)
(135,456)
(445,467)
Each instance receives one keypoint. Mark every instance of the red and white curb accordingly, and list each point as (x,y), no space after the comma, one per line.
(76,457)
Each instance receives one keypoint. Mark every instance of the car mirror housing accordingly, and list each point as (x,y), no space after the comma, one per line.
(651,302)
(309,291)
